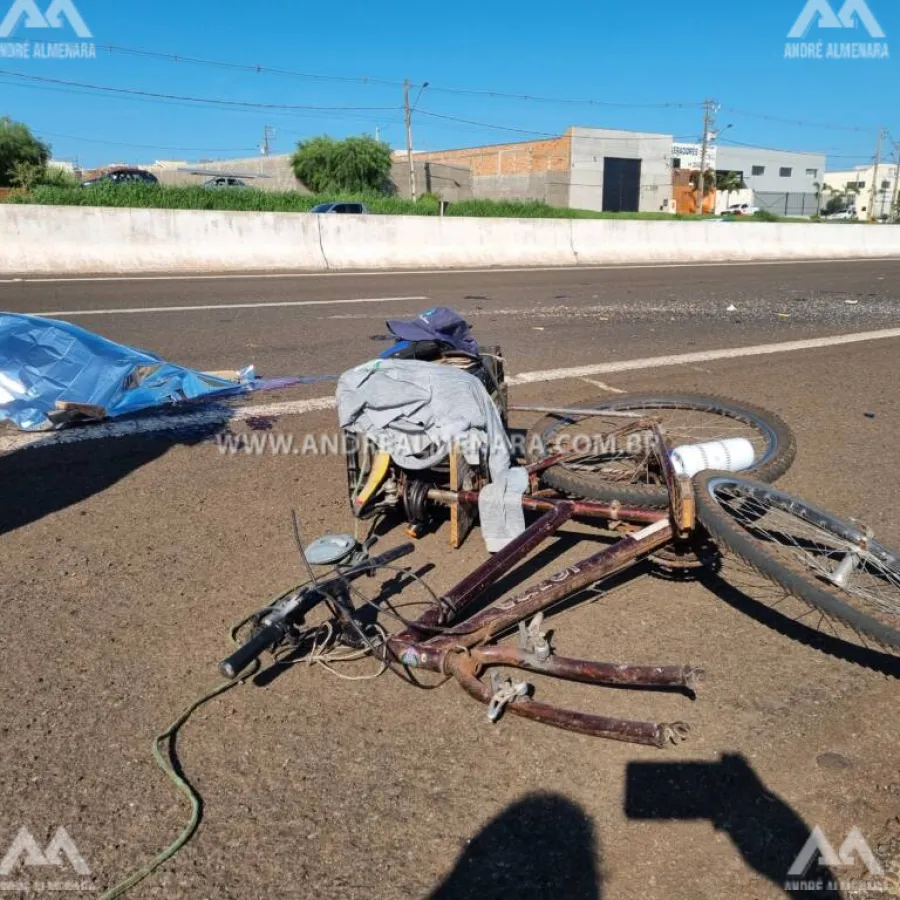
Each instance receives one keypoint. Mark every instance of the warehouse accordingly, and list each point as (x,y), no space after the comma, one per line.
(585,168)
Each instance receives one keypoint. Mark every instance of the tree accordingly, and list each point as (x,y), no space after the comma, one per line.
(822,190)
(729,182)
(354,164)
(835,203)
(709,184)
(19,147)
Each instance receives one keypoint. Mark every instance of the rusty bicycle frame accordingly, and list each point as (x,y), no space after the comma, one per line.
(449,640)
(445,640)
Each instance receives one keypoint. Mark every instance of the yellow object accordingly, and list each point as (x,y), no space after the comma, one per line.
(377,474)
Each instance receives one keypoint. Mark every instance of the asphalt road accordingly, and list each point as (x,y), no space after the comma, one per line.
(125,559)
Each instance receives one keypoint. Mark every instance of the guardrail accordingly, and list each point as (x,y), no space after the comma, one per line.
(72,240)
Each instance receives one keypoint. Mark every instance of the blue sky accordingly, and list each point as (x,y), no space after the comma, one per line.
(638,55)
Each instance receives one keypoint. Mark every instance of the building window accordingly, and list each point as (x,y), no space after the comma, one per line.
(855,184)
(785,172)
(676,162)
(812,173)
(758,170)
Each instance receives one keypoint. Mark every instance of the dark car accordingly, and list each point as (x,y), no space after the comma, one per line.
(357,209)
(123,176)
(225,181)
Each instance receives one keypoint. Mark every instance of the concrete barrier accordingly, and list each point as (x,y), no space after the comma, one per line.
(72,240)
(44,240)
(406,242)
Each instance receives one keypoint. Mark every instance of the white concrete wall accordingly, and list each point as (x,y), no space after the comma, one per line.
(84,239)
(46,240)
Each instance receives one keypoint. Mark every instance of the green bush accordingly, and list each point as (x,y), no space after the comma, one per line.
(151,196)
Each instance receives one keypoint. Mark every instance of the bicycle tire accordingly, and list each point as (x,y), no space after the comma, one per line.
(776,460)
(793,576)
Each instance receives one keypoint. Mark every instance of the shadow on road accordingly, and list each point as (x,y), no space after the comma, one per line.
(541,846)
(764,829)
(868,657)
(38,481)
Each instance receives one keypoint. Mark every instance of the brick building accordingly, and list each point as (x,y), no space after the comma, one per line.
(585,168)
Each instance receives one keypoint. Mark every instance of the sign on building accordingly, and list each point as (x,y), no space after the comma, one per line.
(688,156)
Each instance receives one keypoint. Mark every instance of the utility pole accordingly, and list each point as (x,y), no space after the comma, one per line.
(708,118)
(409,153)
(895,193)
(873,190)
(268,135)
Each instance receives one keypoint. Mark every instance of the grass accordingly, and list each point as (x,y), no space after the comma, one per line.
(144,196)
(251,200)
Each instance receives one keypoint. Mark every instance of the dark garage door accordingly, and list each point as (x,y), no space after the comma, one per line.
(621,184)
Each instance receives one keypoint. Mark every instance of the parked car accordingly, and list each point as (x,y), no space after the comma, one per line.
(123,176)
(223,181)
(740,209)
(842,214)
(357,209)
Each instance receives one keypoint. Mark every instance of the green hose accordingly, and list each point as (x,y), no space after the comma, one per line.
(165,764)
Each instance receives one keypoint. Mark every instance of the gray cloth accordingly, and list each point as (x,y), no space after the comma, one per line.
(500,508)
(416,410)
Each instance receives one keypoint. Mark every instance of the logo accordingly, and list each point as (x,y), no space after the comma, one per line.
(60,853)
(60,14)
(851,15)
(851,12)
(818,850)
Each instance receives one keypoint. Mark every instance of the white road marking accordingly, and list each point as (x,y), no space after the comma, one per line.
(297,407)
(217,306)
(655,362)
(163,422)
(496,270)
(603,386)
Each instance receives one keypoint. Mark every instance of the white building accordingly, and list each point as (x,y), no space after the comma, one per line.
(781,181)
(858,185)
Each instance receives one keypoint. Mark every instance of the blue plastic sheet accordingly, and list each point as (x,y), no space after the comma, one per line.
(44,362)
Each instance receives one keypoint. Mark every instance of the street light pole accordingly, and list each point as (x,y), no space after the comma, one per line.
(408,109)
(708,107)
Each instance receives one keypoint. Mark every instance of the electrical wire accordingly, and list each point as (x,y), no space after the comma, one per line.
(254,69)
(367,80)
(72,137)
(828,126)
(234,104)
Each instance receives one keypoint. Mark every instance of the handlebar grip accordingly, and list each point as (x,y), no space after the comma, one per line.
(394,553)
(253,649)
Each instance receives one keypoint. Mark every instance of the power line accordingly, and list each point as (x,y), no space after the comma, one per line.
(830,126)
(72,137)
(548,134)
(255,69)
(364,79)
(242,104)
(782,150)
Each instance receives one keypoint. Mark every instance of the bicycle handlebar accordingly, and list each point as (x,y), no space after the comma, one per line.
(277,623)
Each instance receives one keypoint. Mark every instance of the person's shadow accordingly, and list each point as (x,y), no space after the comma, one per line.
(764,829)
(37,481)
(541,847)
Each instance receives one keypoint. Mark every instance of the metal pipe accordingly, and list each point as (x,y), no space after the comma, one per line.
(473,585)
(573,411)
(489,622)
(654,734)
(590,672)
(594,509)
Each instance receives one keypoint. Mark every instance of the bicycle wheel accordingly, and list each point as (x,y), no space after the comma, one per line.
(830,564)
(628,472)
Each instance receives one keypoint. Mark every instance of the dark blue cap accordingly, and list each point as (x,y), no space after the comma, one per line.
(440,324)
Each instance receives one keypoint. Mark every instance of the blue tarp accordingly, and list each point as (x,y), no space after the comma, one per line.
(44,362)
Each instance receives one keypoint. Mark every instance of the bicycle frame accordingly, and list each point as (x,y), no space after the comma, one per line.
(460,649)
